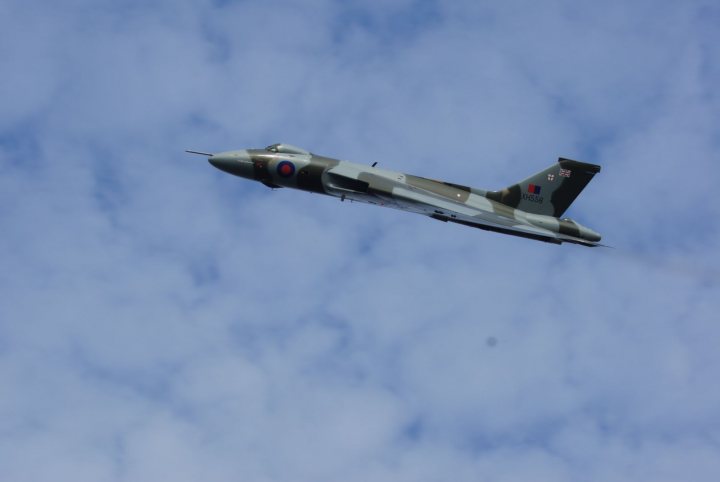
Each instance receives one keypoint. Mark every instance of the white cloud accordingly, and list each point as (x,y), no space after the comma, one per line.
(161,320)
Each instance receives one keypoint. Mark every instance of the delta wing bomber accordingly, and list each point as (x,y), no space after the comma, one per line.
(532,208)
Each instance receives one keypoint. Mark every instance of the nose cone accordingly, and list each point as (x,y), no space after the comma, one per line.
(594,236)
(221,161)
(233,162)
(589,234)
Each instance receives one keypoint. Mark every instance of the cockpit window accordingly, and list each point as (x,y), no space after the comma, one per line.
(286,149)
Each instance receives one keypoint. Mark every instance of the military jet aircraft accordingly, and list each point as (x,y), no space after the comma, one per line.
(530,209)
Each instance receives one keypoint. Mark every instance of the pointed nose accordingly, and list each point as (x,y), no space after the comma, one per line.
(589,234)
(221,161)
(233,162)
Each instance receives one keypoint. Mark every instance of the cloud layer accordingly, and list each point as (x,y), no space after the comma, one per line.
(162,320)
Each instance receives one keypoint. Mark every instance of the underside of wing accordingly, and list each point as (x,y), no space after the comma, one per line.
(513,231)
(474,212)
(448,210)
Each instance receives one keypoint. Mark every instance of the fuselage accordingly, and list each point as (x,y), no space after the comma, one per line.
(291,167)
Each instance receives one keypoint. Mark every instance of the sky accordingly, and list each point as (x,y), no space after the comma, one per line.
(162,320)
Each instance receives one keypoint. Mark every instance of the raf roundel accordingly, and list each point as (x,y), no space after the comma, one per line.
(285,168)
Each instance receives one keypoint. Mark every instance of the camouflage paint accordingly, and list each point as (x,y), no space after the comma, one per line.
(529,209)
(557,191)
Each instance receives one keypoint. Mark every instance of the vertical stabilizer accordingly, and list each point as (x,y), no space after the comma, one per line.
(549,192)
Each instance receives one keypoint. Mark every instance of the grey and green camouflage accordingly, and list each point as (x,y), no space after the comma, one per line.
(531,208)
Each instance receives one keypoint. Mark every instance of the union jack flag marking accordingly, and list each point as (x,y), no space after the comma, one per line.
(565,172)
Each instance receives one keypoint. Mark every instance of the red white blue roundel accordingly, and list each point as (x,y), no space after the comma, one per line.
(285,168)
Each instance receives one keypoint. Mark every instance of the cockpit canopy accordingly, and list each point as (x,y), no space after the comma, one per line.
(286,149)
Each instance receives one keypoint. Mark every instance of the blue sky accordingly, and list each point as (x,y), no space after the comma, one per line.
(161,320)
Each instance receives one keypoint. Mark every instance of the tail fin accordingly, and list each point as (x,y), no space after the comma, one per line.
(548,192)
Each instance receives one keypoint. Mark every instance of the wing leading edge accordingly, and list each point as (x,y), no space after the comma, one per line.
(449,203)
